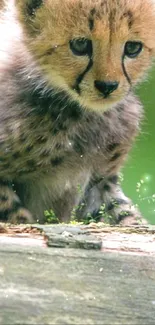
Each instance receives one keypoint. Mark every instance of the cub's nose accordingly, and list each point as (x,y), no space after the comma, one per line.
(106,88)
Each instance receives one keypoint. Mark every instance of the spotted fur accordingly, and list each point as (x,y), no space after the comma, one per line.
(58,133)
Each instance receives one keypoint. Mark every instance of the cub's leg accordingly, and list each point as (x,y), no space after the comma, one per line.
(105,197)
(42,195)
(10,206)
(117,205)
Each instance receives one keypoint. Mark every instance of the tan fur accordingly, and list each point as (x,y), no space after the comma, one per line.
(52,138)
(1,4)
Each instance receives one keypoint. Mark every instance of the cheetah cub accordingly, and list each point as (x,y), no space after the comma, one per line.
(68,116)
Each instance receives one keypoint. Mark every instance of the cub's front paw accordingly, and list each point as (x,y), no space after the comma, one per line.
(130,216)
(10,207)
(133,220)
(22,215)
(123,212)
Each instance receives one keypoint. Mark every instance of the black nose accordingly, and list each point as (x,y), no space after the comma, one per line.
(106,88)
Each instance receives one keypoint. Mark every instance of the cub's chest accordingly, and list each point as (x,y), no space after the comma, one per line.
(30,146)
(30,152)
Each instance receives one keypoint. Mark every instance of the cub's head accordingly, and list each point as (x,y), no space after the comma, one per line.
(96,50)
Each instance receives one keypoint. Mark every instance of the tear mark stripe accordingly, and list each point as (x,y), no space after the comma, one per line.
(81,76)
(124,70)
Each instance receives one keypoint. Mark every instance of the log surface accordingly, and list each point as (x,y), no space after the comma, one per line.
(48,285)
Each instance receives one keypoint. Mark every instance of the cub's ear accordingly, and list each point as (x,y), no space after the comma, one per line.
(29,6)
(29,14)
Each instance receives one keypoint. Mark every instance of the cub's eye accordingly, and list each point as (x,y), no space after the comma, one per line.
(132,49)
(81,46)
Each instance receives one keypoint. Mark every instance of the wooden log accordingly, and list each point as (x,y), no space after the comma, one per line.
(47,285)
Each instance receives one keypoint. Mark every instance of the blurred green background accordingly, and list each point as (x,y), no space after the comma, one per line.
(139,171)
